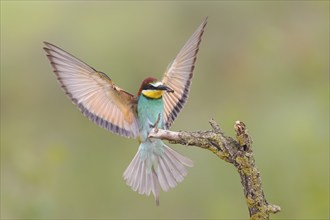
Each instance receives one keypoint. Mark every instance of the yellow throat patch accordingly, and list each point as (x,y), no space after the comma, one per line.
(153,94)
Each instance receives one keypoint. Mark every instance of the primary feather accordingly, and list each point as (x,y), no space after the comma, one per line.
(179,74)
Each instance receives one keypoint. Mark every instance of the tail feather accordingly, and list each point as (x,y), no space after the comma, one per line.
(154,186)
(137,184)
(148,184)
(178,171)
(129,171)
(143,177)
(162,177)
(184,160)
(179,168)
(147,174)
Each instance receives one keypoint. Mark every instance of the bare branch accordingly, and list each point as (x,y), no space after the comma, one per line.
(237,152)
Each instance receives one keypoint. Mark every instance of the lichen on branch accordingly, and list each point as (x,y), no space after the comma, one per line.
(237,152)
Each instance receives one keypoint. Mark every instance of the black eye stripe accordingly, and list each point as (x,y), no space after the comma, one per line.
(149,87)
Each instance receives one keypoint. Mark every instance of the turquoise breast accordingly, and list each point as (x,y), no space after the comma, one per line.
(148,111)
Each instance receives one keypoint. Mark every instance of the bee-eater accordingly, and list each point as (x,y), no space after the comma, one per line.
(157,103)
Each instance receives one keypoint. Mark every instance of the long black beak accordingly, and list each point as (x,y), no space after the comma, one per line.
(166,88)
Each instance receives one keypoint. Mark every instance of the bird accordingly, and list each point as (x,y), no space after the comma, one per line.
(156,105)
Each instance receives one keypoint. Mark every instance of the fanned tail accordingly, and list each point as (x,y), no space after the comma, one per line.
(147,172)
(137,178)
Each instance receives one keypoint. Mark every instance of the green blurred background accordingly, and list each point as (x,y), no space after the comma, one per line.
(265,63)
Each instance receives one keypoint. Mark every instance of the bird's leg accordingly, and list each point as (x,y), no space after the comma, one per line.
(156,124)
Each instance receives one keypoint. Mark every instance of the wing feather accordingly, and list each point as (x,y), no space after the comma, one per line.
(97,97)
(179,74)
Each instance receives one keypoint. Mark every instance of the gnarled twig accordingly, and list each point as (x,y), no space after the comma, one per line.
(237,152)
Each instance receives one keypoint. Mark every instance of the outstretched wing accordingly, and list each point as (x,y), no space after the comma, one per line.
(179,74)
(97,97)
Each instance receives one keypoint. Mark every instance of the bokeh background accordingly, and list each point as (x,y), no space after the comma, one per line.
(265,63)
